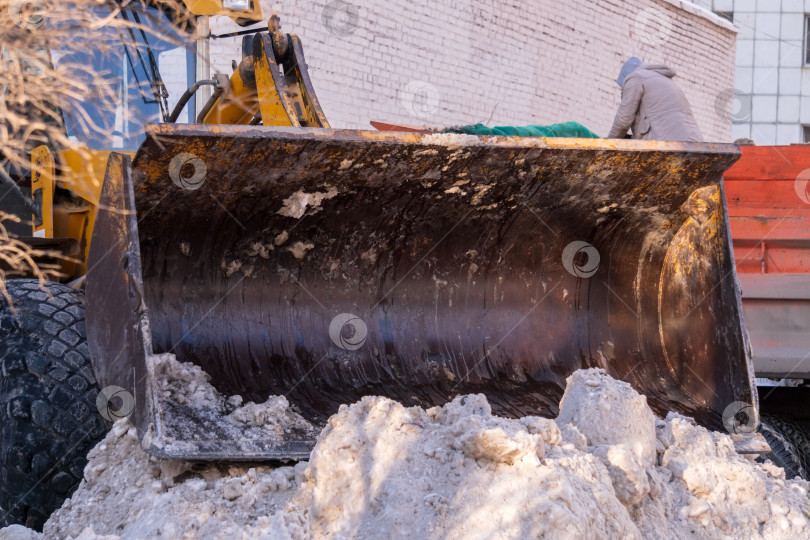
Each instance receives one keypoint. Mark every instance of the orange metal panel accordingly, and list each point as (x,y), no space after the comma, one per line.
(769,209)
(770,229)
(770,163)
(769,214)
(774,193)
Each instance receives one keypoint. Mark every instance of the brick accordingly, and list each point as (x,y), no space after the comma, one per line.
(506,63)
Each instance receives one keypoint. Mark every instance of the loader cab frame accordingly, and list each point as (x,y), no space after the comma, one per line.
(119,66)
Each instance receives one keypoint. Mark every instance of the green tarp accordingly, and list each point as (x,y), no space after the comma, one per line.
(565,129)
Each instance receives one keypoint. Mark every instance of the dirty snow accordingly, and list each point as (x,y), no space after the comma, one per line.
(187,384)
(451,140)
(606,468)
(295,206)
(299,249)
(196,407)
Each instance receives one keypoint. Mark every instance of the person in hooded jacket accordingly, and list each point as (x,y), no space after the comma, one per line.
(653,105)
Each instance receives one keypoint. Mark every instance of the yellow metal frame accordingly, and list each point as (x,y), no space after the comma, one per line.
(83,175)
(238,105)
(269,98)
(284,98)
(216,7)
(42,186)
(83,172)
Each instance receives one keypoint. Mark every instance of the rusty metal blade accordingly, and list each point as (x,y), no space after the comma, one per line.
(325,265)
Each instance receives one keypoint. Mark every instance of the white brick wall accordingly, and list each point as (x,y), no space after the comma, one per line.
(447,62)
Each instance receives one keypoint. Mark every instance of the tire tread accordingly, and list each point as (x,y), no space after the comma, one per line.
(789,445)
(48,421)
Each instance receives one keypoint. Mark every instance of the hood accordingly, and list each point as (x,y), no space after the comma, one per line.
(631,65)
(661,69)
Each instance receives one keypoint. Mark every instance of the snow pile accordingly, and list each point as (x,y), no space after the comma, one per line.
(192,405)
(605,468)
(184,383)
(127,494)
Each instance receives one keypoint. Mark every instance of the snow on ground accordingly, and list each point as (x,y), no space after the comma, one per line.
(605,468)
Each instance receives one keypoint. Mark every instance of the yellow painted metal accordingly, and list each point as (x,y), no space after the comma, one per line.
(300,95)
(216,7)
(74,221)
(274,113)
(82,174)
(237,106)
(286,99)
(42,185)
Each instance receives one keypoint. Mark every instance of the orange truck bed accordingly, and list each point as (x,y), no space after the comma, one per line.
(769,212)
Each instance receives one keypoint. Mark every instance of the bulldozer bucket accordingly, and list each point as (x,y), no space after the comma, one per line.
(325,265)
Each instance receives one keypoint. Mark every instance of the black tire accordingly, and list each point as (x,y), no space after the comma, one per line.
(789,446)
(48,415)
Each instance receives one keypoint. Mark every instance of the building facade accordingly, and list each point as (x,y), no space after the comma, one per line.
(772,82)
(450,62)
